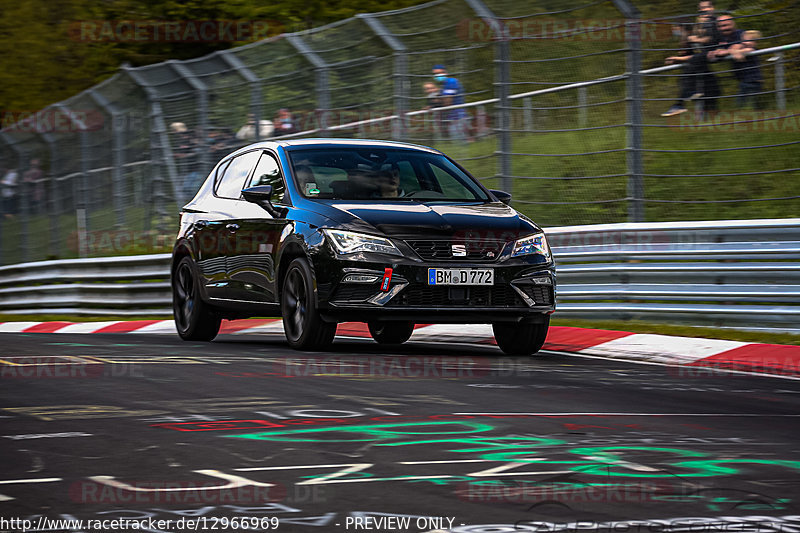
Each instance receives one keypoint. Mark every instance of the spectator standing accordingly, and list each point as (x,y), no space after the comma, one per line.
(33,182)
(452,93)
(8,190)
(697,80)
(747,69)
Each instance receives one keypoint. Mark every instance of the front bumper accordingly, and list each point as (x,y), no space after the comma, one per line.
(523,291)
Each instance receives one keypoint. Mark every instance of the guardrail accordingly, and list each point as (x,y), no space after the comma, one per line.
(743,274)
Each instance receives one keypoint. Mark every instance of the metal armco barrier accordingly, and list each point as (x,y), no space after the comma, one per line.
(733,273)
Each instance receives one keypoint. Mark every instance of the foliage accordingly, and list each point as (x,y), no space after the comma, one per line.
(46,59)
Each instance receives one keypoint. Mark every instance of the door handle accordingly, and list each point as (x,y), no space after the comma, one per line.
(201,224)
(232,227)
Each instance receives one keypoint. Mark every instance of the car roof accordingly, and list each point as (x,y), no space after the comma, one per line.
(324,143)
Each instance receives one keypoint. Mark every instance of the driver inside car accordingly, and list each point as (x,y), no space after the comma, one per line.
(389,182)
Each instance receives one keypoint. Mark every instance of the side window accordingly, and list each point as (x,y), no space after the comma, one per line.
(231,183)
(449,185)
(268,172)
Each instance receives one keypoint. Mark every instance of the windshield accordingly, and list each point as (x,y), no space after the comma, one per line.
(365,173)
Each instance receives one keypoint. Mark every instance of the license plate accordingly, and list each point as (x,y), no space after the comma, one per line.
(460,276)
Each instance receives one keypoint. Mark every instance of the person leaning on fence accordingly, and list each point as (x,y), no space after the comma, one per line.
(747,70)
(452,94)
(33,182)
(730,39)
(8,191)
(433,95)
(696,80)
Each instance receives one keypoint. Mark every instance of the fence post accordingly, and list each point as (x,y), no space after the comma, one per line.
(83,189)
(582,102)
(160,150)
(400,73)
(780,82)
(53,209)
(3,168)
(502,55)
(321,73)
(255,87)
(634,95)
(202,110)
(527,113)
(117,153)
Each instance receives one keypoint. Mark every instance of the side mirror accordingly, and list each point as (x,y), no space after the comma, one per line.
(503,196)
(261,195)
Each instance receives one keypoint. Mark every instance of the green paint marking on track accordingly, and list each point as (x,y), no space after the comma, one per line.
(374,431)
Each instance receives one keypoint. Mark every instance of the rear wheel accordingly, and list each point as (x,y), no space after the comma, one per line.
(304,328)
(391,332)
(194,319)
(520,339)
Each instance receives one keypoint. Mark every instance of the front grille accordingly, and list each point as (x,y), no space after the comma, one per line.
(473,296)
(541,294)
(442,249)
(355,292)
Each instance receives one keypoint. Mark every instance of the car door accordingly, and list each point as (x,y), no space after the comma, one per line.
(207,227)
(251,266)
(216,228)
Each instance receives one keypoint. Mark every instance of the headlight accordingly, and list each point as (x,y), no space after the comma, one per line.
(349,242)
(533,244)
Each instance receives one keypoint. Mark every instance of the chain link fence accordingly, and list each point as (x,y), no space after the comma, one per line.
(562,107)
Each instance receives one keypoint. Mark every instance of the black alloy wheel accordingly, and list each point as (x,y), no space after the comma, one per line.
(194,319)
(303,326)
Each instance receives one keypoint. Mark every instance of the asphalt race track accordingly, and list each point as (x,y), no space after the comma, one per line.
(245,433)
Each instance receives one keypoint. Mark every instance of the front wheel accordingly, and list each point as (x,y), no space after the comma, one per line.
(194,319)
(390,332)
(520,339)
(304,328)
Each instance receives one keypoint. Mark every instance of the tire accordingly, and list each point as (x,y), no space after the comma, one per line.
(520,339)
(391,332)
(194,319)
(304,328)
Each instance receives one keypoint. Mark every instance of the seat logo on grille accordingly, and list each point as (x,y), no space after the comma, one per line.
(459,250)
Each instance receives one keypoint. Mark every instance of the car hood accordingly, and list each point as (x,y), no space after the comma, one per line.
(425,220)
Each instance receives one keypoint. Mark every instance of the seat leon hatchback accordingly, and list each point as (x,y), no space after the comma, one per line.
(321,231)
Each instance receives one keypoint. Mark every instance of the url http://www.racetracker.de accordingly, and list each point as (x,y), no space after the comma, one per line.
(42,523)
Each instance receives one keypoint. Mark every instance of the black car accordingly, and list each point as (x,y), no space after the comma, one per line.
(321,231)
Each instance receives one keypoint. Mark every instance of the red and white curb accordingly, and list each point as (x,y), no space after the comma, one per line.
(686,351)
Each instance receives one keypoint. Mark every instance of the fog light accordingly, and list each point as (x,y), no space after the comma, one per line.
(360,278)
